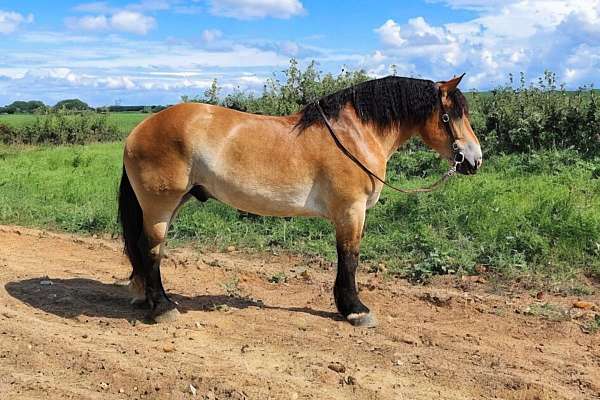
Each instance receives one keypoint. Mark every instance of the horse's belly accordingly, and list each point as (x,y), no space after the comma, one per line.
(265,198)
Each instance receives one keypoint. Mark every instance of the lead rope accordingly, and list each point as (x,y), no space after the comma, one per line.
(351,156)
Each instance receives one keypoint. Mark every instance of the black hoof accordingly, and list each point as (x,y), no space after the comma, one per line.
(165,311)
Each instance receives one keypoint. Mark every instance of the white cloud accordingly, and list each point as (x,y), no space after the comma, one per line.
(88,23)
(290,48)
(122,21)
(100,7)
(10,21)
(132,22)
(151,5)
(253,9)
(133,70)
(211,35)
(389,33)
(506,36)
(119,82)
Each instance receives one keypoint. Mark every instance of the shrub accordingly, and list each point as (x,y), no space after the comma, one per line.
(540,116)
(287,95)
(61,127)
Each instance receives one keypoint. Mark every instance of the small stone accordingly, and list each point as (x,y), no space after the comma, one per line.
(409,340)
(192,390)
(46,283)
(168,348)
(104,385)
(230,249)
(121,390)
(584,305)
(337,367)
(438,299)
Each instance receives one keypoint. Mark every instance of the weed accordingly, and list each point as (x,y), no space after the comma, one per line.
(549,311)
(279,277)
(592,326)
(231,287)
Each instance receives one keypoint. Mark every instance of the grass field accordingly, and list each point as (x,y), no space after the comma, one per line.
(124,121)
(527,214)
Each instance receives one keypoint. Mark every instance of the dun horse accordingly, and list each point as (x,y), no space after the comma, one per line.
(326,161)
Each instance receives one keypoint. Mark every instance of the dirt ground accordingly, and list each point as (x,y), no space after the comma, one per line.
(67,331)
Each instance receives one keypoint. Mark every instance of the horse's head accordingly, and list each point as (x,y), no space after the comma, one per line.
(448,129)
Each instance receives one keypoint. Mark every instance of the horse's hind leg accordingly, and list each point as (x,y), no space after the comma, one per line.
(158,215)
(349,228)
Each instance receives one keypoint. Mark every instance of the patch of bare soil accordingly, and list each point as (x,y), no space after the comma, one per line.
(263,326)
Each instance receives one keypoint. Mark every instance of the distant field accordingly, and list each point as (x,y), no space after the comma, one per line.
(124,121)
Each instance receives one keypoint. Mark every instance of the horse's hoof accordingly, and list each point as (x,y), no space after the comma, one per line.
(165,315)
(363,320)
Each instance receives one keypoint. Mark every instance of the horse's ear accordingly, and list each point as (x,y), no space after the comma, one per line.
(451,85)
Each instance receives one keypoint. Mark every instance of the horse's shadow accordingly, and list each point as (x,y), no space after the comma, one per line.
(74,297)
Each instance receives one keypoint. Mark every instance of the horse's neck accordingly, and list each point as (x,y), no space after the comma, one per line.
(392,138)
(386,141)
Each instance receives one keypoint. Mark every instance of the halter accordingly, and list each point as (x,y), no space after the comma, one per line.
(459,157)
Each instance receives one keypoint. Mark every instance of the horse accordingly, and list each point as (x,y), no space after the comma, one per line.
(283,166)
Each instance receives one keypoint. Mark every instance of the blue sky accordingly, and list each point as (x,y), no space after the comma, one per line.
(154,51)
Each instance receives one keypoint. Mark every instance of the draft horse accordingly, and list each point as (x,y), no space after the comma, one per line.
(283,166)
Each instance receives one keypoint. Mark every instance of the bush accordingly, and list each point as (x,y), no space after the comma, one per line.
(537,117)
(72,105)
(61,127)
(287,95)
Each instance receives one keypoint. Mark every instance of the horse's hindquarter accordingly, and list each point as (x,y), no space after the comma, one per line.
(255,163)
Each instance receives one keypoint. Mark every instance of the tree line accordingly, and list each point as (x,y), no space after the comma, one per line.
(75,105)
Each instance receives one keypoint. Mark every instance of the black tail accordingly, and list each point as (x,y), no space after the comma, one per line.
(131,220)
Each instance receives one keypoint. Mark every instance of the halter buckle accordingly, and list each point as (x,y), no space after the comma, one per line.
(459,158)
(445,118)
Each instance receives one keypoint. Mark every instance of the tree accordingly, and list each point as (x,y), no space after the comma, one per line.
(211,95)
(24,107)
(72,105)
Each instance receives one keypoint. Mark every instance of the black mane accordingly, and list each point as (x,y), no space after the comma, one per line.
(385,102)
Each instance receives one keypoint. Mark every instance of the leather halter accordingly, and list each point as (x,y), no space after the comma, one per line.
(445,118)
(459,157)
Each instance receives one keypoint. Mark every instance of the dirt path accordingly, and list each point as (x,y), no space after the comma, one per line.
(72,334)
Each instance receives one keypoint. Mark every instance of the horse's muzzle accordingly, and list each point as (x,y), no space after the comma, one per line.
(468,167)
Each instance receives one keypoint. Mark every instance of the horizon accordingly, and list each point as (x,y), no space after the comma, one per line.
(152,52)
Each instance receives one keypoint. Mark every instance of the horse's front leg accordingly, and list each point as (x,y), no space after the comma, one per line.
(349,228)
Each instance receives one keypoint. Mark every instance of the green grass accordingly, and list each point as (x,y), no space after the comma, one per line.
(527,214)
(124,121)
